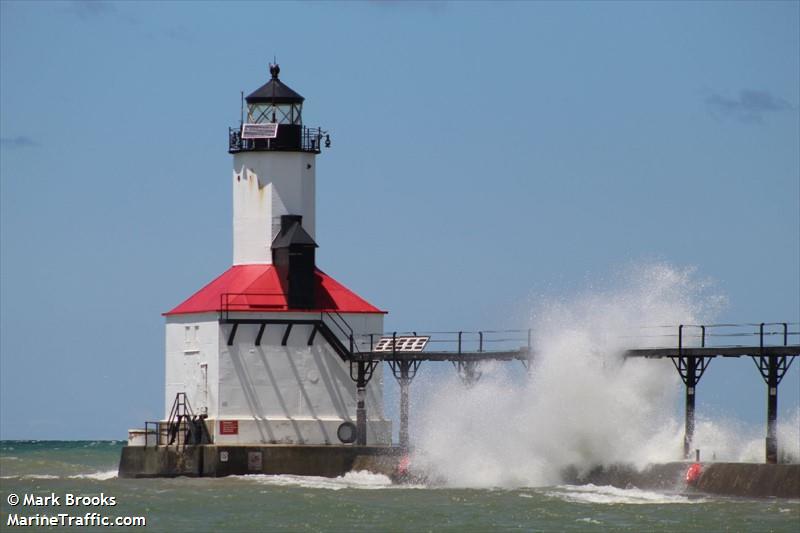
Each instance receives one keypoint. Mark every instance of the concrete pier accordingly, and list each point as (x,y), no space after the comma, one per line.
(217,461)
(753,480)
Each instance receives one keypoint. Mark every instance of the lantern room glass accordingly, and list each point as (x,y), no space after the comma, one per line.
(283,113)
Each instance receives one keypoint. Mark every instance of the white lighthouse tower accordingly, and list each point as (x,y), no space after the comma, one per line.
(259,352)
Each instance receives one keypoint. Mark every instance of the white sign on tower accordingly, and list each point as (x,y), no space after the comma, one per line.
(267,130)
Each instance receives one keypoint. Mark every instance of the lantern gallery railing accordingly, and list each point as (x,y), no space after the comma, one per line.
(287,138)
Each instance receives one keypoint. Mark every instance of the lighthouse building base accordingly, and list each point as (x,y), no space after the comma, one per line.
(296,430)
(214,460)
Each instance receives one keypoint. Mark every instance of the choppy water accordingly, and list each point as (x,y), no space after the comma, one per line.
(358,501)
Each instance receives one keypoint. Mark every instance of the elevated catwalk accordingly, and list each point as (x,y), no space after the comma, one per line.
(691,362)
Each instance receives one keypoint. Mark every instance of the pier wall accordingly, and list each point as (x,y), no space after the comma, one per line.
(217,461)
(754,480)
(751,479)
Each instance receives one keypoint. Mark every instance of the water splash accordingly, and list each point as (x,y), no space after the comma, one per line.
(103,475)
(612,495)
(351,480)
(731,440)
(581,406)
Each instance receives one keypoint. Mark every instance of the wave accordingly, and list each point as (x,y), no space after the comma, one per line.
(609,495)
(100,476)
(583,405)
(31,476)
(352,480)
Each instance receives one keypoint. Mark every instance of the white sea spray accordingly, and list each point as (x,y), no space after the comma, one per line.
(603,494)
(102,475)
(583,405)
(350,480)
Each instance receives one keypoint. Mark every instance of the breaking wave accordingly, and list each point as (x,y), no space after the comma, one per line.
(582,405)
(613,495)
(351,480)
(100,476)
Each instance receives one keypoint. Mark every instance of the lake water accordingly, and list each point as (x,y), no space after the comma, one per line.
(358,501)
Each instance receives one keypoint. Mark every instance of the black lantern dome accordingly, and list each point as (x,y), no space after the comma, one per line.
(274,102)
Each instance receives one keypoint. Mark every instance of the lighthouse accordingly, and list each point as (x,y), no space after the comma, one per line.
(260,356)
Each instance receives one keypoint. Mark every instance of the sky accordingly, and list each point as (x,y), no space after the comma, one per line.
(485,156)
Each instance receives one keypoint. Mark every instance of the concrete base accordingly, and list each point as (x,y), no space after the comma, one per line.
(217,461)
(754,480)
(729,479)
(746,479)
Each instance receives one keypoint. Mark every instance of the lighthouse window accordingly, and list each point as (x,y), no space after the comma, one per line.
(190,336)
(259,113)
(283,113)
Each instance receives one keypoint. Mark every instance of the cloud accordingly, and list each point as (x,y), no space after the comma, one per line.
(433,6)
(751,105)
(110,12)
(88,9)
(178,33)
(17,142)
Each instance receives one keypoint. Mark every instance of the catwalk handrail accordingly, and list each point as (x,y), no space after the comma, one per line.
(507,341)
(701,333)
(342,325)
(452,346)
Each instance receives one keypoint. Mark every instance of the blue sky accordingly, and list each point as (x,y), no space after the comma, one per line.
(483,155)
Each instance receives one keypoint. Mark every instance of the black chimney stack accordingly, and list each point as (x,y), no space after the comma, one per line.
(293,256)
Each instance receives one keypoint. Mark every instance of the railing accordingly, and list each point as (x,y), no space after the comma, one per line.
(251,301)
(182,428)
(342,327)
(309,140)
(718,335)
(231,302)
(459,342)
(158,430)
(510,343)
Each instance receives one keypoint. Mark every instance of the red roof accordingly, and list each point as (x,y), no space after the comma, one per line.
(256,288)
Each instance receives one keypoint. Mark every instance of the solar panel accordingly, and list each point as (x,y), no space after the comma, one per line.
(266,130)
(401,344)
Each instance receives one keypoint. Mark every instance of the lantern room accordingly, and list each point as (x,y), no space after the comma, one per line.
(274,121)
(274,102)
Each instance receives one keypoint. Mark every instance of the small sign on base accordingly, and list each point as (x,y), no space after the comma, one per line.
(228,427)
